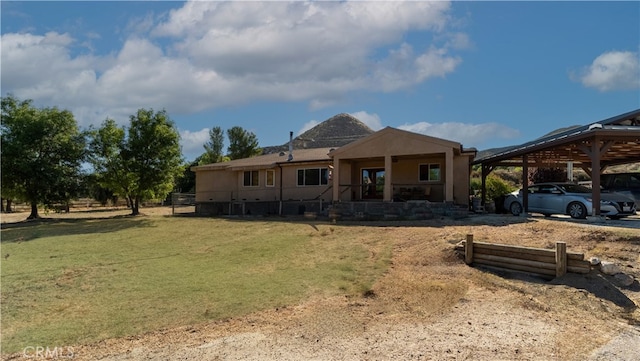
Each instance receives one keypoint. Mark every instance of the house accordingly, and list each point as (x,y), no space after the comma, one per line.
(361,166)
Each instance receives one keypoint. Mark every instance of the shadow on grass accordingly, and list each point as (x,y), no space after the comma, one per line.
(600,285)
(51,227)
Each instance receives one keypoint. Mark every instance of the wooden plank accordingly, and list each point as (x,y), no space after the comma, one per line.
(517,267)
(527,259)
(580,264)
(550,258)
(510,248)
(578,270)
(468,249)
(575,256)
(561,259)
(514,261)
(481,247)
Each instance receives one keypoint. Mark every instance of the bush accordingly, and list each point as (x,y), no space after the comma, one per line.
(496,187)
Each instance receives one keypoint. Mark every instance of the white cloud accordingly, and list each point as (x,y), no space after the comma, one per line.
(208,54)
(308,125)
(371,120)
(469,135)
(614,70)
(192,142)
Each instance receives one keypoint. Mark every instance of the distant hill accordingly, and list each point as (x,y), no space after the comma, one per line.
(489,152)
(334,132)
(560,130)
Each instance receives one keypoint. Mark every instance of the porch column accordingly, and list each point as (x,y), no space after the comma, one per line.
(448,179)
(388,187)
(335,179)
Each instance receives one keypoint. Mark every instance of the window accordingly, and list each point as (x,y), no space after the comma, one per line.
(430,172)
(313,176)
(251,178)
(271,178)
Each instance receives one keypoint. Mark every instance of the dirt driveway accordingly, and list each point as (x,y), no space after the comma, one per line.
(431,306)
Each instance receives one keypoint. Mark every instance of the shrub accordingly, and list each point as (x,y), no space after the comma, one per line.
(496,186)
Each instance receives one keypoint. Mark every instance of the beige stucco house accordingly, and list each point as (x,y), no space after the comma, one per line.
(388,166)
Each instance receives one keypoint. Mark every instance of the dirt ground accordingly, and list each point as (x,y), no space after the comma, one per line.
(431,306)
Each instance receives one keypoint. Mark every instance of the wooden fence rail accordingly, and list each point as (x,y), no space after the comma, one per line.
(549,262)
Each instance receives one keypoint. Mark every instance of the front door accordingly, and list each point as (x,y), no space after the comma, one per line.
(372,183)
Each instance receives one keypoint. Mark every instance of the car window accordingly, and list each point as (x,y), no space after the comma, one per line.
(634,181)
(620,182)
(575,188)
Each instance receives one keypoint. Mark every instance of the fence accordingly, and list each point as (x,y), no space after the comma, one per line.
(183,203)
(548,262)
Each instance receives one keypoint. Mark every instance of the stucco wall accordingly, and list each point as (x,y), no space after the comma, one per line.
(226,185)
(461,177)
(215,186)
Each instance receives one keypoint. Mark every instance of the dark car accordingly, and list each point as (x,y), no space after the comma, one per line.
(625,183)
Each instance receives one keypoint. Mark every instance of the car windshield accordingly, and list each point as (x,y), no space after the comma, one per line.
(574,188)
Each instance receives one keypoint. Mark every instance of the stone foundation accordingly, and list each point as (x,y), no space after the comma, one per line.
(410,210)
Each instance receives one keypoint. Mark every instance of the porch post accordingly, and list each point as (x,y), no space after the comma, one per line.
(388,186)
(335,178)
(448,179)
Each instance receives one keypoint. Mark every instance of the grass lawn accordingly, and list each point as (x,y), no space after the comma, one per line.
(78,281)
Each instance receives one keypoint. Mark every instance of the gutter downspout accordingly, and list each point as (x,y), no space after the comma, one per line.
(280,210)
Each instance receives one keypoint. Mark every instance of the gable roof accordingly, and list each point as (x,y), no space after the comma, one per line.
(557,145)
(399,133)
(270,160)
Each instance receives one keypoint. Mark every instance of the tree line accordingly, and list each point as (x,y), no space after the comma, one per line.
(47,160)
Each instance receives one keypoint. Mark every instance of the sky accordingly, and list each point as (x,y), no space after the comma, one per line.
(485,74)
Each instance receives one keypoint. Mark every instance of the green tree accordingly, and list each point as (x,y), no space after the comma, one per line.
(42,153)
(141,162)
(242,143)
(186,182)
(213,147)
(541,175)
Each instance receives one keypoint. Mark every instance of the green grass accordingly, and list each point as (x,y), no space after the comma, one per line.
(71,282)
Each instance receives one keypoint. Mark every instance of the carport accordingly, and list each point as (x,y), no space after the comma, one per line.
(592,147)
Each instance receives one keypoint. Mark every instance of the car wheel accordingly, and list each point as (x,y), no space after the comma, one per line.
(577,210)
(547,215)
(515,208)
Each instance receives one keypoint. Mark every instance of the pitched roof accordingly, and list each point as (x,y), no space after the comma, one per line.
(270,160)
(625,125)
(407,135)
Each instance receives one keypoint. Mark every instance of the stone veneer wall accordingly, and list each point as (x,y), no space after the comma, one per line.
(340,210)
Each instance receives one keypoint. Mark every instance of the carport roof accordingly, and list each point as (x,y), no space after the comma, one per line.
(619,139)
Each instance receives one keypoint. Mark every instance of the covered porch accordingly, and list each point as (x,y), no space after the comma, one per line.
(394,165)
(393,178)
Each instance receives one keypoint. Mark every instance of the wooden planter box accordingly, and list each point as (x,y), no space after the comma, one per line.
(549,262)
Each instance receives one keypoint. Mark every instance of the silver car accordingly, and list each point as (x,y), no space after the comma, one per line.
(570,199)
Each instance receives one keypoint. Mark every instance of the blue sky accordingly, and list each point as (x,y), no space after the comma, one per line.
(486,74)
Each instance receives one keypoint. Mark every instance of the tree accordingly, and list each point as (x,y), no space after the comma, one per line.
(138,163)
(42,153)
(242,144)
(213,148)
(186,182)
(541,175)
